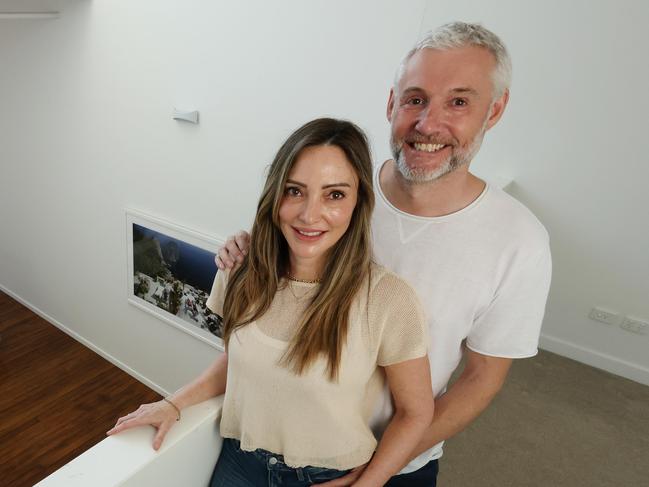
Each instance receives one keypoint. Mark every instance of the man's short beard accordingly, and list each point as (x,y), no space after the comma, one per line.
(458,158)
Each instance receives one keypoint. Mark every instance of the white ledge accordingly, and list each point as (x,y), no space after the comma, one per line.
(187,456)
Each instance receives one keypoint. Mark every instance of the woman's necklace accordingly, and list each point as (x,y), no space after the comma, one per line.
(304,281)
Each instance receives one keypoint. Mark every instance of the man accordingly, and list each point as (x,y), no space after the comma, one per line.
(479,260)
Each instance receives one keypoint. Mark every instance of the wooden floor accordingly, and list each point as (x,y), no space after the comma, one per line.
(57,397)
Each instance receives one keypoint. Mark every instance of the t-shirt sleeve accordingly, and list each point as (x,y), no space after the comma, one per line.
(399,322)
(510,326)
(217,295)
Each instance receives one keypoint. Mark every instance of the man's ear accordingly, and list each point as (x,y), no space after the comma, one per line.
(497,109)
(390,105)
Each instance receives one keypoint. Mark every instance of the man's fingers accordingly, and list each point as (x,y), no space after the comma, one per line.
(232,247)
(242,239)
(348,479)
(225,259)
(233,252)
(219,262)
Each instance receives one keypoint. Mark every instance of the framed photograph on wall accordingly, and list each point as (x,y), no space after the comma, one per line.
(170,274)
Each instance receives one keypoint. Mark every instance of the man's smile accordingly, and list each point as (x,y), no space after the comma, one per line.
(427,147)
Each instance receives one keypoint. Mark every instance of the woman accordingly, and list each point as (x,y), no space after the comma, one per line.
(312,328)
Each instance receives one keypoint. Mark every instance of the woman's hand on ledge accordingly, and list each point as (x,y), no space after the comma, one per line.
(161,415)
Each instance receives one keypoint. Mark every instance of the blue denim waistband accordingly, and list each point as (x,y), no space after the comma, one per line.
(278,463)
(265,456)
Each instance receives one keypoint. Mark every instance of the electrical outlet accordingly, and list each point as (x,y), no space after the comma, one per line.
(605,316)
(634,325)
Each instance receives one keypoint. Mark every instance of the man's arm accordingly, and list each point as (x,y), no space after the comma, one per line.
(483,376)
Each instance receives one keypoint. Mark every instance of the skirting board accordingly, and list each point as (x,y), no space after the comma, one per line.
(86,343)
(595,359)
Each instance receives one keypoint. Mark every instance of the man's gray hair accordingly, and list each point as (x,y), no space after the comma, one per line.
(461,34)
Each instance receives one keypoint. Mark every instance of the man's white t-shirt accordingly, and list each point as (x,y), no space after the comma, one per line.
(482,275)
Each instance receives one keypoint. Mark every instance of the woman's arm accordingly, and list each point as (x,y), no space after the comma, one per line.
(412,393)
(162,415)
(482,378)
(209,384)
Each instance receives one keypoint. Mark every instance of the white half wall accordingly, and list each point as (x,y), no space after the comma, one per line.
(86,131)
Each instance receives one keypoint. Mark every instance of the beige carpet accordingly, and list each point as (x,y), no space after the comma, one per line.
(556,423)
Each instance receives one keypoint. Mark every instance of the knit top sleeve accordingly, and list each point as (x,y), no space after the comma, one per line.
(398,327)
(217,295)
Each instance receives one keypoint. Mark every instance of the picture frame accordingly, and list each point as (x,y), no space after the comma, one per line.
(170,271)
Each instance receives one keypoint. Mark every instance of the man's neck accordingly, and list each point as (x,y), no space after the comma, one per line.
(448,194)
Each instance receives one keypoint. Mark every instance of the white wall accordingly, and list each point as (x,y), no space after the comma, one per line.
(85,131)
(572,141)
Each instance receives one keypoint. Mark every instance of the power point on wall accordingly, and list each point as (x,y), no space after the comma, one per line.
(603,315)
(634,325)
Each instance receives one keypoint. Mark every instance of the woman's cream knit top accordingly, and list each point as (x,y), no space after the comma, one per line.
(309,419)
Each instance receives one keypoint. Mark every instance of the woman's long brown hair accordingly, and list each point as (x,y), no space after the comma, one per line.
(252,287)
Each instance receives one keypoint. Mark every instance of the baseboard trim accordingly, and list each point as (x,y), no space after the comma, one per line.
(595,359)
(85,342)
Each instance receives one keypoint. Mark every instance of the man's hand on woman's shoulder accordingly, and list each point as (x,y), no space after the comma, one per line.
(232,253)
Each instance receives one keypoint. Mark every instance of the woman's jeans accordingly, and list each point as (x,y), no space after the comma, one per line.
(260,468)
(426,476)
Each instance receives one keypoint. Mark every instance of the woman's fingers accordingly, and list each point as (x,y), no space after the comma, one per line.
(120,421)
(124,425)
(159,415)
(160,435)
(124,418)
(142,415)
